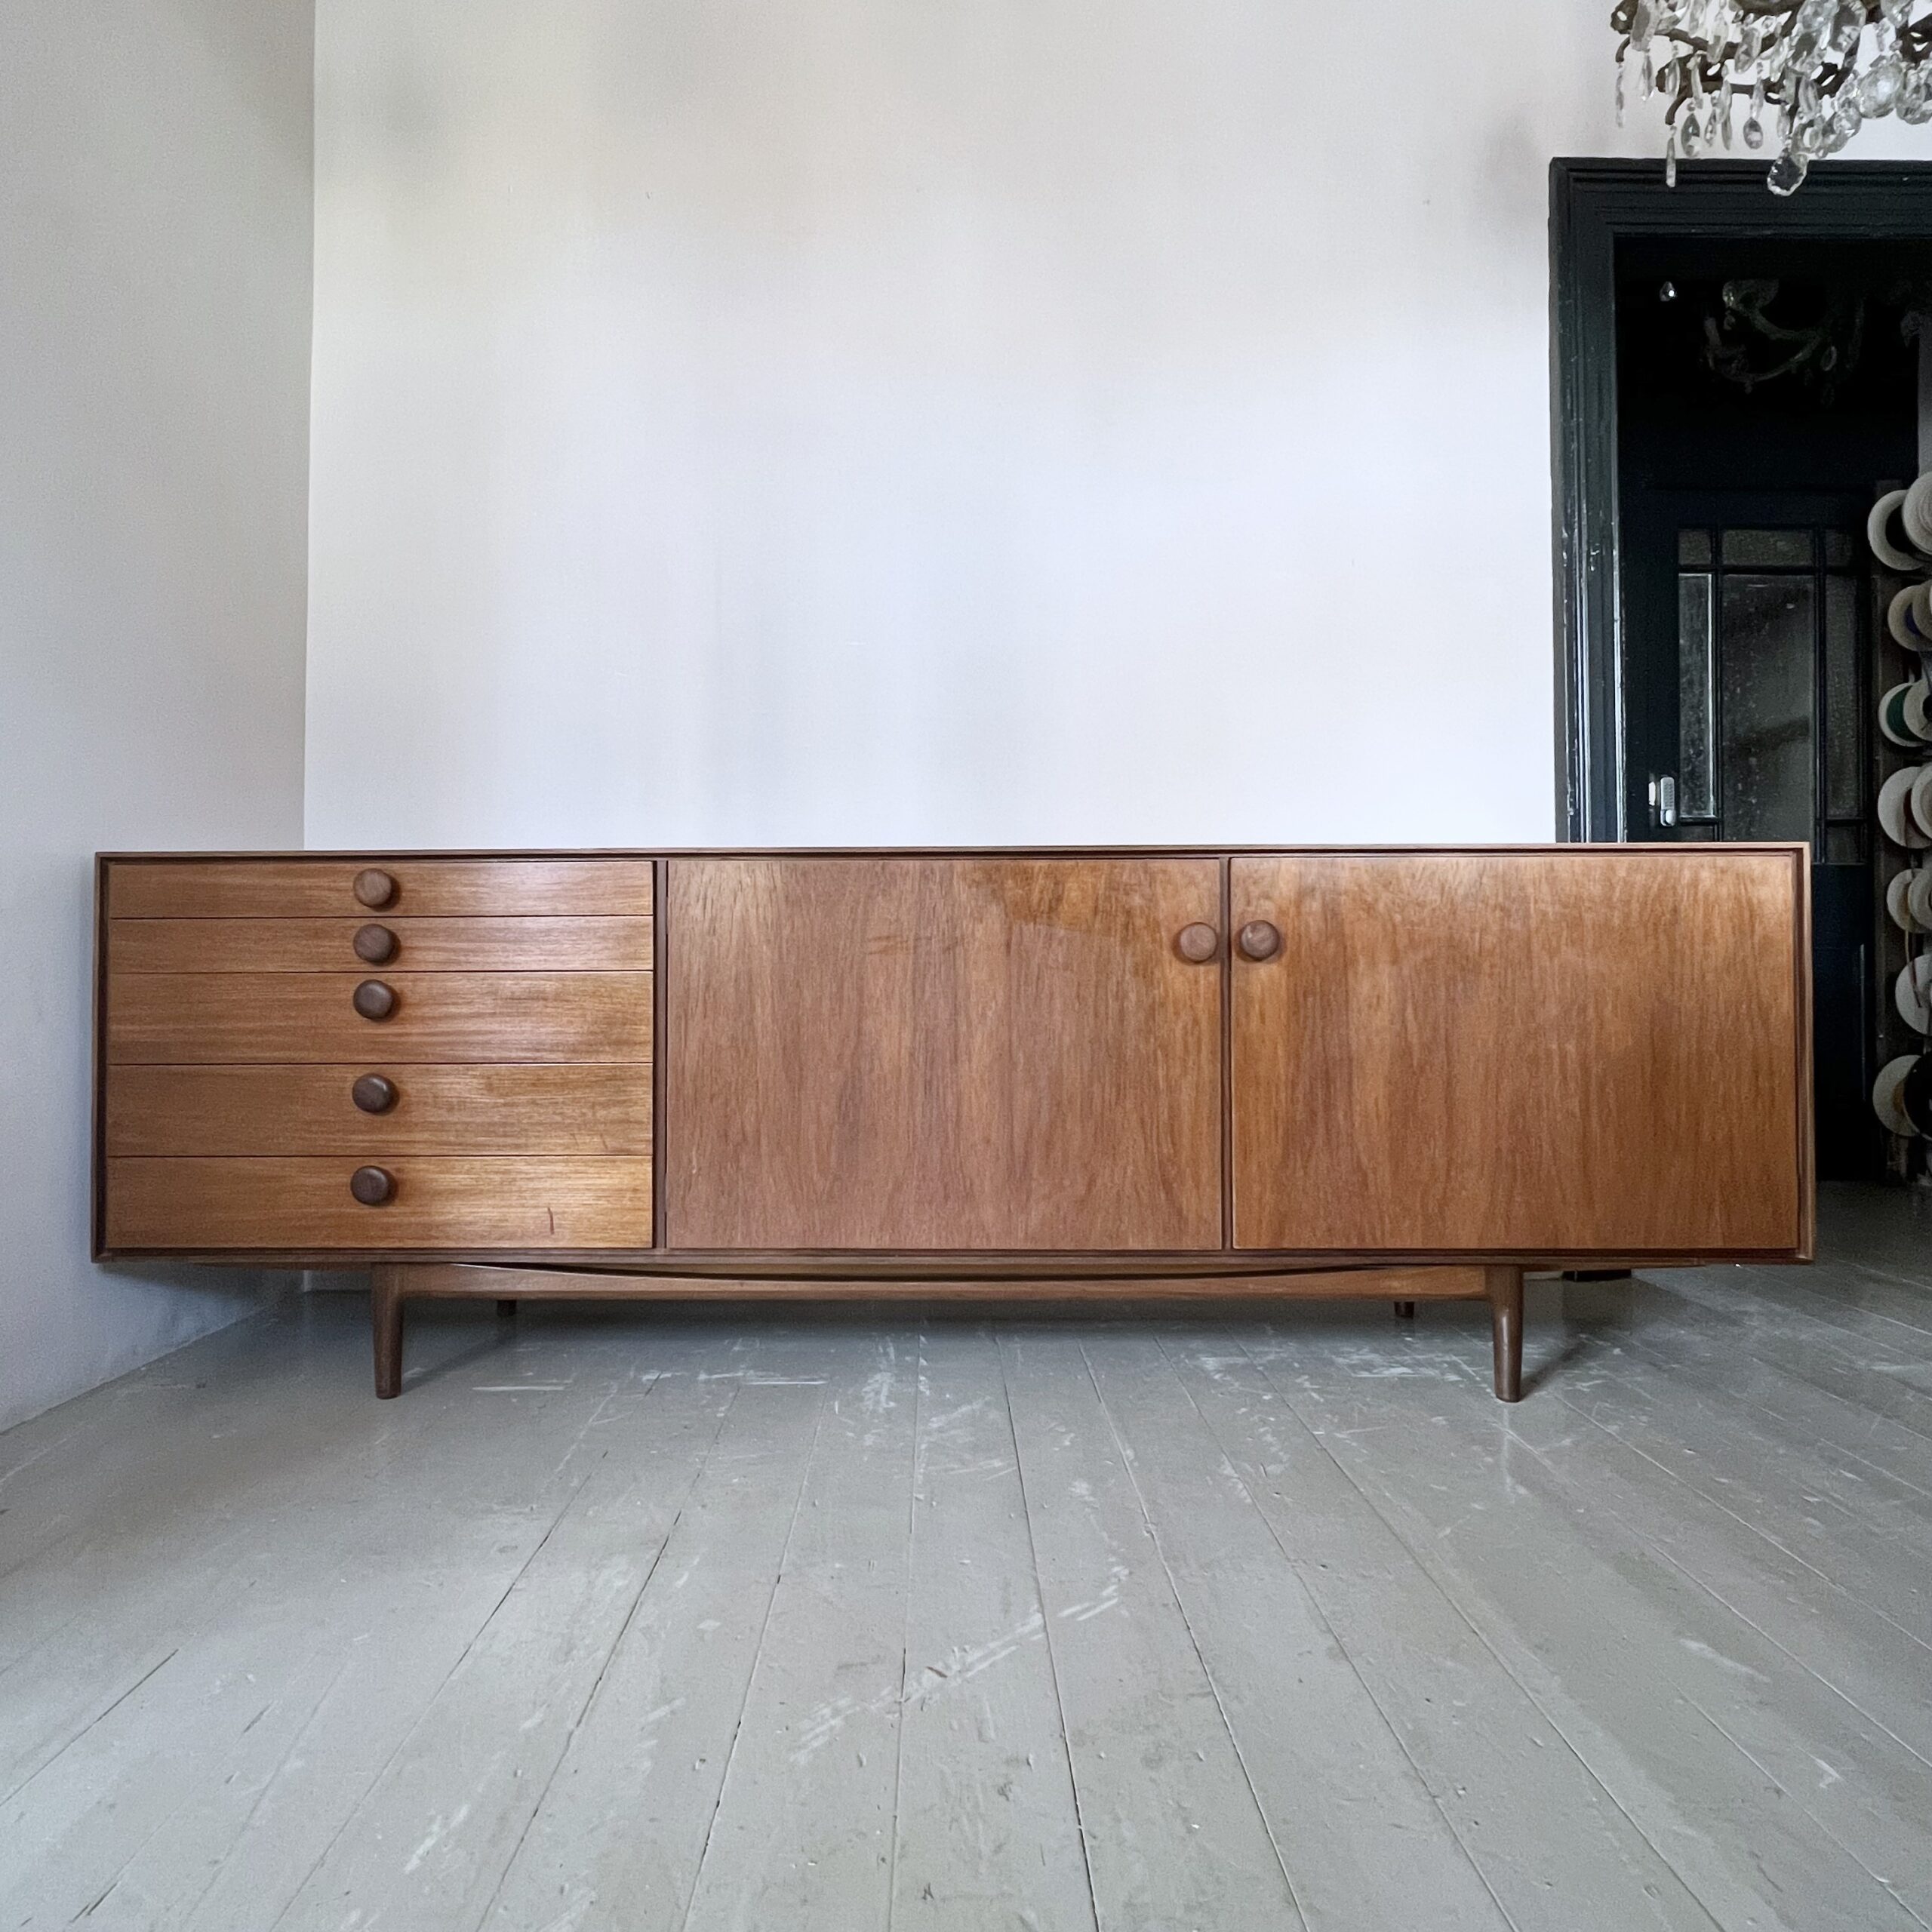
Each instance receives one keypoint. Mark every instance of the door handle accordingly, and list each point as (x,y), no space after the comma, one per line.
(1663,798)
(1259,939)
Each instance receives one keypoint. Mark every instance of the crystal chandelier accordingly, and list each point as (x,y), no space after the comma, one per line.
(1802,76)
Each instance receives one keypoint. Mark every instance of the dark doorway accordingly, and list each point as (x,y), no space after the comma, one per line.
(1734,387)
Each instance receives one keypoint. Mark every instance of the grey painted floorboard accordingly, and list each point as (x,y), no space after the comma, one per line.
(802,1834)
(1692,1721)
(1557,1851)
(1176,1833)
(434,1833)
(617,1840)
(340,1589)
(714,1618)
(988,1836)
(1359,1831)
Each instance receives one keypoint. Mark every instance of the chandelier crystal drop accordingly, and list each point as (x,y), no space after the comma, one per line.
(1798,77)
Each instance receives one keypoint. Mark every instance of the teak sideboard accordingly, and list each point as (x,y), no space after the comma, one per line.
(1407,1073)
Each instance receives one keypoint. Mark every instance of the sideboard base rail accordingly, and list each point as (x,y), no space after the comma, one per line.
(1500,1286)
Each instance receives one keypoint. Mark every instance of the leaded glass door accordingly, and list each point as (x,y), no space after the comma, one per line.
(1771,716)
(1748,695)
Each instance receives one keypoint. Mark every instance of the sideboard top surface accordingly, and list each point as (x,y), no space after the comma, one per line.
(375,854)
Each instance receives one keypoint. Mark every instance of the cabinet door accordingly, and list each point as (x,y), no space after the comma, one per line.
(1549,1054)
(907,1053)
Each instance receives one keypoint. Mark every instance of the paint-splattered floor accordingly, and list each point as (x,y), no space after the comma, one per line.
(647,1620)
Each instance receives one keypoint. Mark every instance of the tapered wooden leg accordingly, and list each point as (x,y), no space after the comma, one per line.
(386,1317)
(1505,1330)
(1405,1311)
(505,1308)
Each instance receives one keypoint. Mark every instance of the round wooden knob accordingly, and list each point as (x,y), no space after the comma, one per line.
(373,1094)
(1259,940)
(372,1186)
(375,1001)
(1198,943)
(375,944)
(374,888)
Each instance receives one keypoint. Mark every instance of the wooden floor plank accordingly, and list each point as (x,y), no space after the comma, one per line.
(1674,1702)
(1871,1378)
(240,1436)
(1869,1469)
(1880,1671)
(1867,1533)
(244,1644)
(987,1826)
(803,1833)
(426,1844)
(1851,1710)
(1859,1311)
(618,1838)
(1886,1294)
(1358,1829)
(402,1657)
(1558,1852)
(1175,1834)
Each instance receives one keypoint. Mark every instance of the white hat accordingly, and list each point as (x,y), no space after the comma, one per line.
(1918,898)
(1894,809)
(1912,993)
(1898,902)
(1895,716)
(1915,513)
(1888,1099)
(1879,534)
(1903,616)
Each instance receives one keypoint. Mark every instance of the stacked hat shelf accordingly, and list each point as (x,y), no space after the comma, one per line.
(1900,530)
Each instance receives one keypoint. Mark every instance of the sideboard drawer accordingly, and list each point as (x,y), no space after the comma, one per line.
(589,943)
(244,888)
(404,1109)
(522,1204)
(229,1019)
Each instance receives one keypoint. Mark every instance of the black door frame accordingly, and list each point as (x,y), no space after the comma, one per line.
(1593,205)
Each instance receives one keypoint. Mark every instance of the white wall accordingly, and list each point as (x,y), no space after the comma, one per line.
(1000,419)
(155,258)
(972,419)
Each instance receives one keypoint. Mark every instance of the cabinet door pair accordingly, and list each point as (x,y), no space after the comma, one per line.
(1550,1053)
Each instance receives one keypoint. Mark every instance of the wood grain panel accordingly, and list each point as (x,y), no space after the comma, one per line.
(1561,1052)
(527,1204)
(918,1053)
(528,1109)
(244,888)
(538,944)
(226,1019)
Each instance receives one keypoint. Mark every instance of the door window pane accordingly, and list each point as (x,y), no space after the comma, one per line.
(1767,781)
(1844,790)
(1696,723)
(1694,547)
(1791,548)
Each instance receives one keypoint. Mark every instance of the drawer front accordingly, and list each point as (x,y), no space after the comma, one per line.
(537,944)
(237,1110)
(304,1206)
(229,1019)
(245,888)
